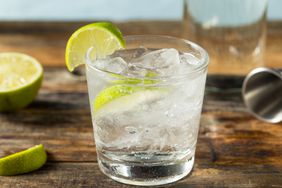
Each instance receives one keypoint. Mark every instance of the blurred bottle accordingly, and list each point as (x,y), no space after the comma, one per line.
(232,31)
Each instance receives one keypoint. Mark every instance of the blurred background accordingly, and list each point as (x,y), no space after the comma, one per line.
(116,10)
(36,27)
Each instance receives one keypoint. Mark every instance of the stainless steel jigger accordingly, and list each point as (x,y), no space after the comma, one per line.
(262,94)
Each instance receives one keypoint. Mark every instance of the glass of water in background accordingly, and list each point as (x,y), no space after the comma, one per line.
(146,102)
(232,31)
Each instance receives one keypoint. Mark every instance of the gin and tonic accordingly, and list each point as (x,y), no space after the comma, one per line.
(146,102)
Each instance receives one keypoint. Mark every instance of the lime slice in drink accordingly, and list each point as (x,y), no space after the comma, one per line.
(20,80)
(103,37)
(112,93)
(120,98)
(23,162)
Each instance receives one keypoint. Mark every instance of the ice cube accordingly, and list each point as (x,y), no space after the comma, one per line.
(115,65)
(136,71)
(189,59)
(158,59)
(188,63)
(129,54)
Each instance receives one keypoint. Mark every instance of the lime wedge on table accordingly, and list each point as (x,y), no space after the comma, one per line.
(20,80)
(23,162)
(103,37)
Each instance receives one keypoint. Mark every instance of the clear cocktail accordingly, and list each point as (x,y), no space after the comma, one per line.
(146,102)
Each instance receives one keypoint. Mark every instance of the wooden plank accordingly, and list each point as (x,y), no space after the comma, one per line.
(88,175)
(129,27)
(274,45)
(47,41)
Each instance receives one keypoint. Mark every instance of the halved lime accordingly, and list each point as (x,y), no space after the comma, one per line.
(103,37)
(23,162)
(20,80)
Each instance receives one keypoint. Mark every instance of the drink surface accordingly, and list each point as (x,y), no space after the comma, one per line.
(157,124)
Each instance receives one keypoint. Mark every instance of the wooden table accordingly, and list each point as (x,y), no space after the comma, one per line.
(234,149)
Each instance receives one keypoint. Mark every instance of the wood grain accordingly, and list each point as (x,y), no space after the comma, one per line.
(47,41)
(63,175)
(234,149)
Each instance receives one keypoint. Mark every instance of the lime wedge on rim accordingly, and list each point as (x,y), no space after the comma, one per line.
(103,37)
(23,162)
(20,80)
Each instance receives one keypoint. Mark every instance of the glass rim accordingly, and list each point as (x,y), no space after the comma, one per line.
(204,60)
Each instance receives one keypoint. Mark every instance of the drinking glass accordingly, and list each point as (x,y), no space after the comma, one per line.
(146,125)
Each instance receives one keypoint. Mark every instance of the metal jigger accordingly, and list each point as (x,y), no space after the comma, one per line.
(262,94)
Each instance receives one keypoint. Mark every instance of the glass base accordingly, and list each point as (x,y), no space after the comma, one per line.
(147,174)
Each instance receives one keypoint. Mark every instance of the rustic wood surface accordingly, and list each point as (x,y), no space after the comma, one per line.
(234,149)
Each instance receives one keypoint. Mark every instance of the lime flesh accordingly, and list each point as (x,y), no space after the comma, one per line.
(121,98)
(23,162)
(103,37)
(20,80)
(111,93)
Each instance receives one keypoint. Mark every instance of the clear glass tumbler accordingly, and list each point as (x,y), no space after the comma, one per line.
(146,124)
